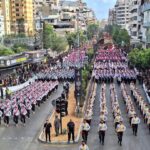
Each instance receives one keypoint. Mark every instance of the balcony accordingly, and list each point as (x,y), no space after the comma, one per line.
(134,7)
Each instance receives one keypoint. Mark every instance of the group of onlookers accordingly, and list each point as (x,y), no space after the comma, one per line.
(146,80)
(20,74)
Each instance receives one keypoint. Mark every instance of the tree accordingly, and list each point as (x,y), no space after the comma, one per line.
(120,36)
(140,58)
(72,38)
(18,48)
(52,40)
(4,51)
(48,34)
(92,30)
(59,44)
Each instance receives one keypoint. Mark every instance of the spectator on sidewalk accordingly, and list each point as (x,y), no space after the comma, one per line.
(71,129)
(83,146)
(47,130)
(57,125)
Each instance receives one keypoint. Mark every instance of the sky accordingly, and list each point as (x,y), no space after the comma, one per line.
(101,7)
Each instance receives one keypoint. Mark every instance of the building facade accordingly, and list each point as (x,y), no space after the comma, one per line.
(122,13)
(112,16)
(22,17)
(67,16)
(5,12)
(145,13)
(2,29)
(135,24)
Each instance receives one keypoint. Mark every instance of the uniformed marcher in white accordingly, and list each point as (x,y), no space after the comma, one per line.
(134,122)
(85,127)
(120,129)
(83,146)
(102,129)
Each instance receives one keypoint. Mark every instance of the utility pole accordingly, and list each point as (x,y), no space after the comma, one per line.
(78,71)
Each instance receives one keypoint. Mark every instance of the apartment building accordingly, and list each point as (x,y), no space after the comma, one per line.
(145,13)
(2,29)
(22,17)
(122,13)
(135,28)
(112,16)
(5,12)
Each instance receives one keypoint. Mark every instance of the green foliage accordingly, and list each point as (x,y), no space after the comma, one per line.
(90,54)
(140,58)
(48,35)
(4,51)
(72,38)
(18,48)
(92,30)
(59,44)
(52,40)
(120,36)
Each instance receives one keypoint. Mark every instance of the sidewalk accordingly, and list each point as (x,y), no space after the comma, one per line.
(63,139)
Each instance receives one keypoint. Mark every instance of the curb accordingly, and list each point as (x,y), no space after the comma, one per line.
(62,142)
(41,140)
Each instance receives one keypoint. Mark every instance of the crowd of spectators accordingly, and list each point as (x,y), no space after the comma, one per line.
(20,74)
(146,80)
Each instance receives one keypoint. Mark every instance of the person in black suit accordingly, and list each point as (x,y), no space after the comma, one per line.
(47,129)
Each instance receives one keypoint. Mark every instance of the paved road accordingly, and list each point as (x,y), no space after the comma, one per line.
(25,138)
(141,142)
(20,138)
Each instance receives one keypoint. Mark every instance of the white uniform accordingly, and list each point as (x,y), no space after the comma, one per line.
(102,127)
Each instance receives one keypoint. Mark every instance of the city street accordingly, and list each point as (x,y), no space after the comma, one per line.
(141,142)
(26,138)
(75,74)
(16,138)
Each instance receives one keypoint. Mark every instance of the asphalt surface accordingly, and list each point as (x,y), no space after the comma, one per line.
(20,138)
(25,138)
(130,142)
